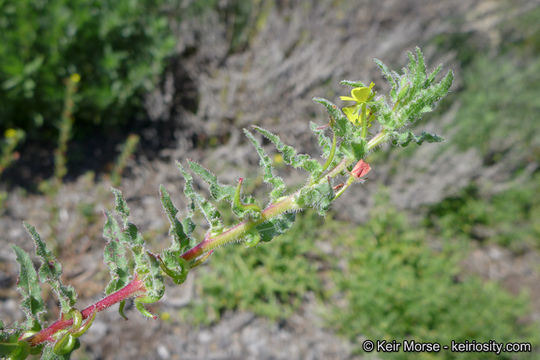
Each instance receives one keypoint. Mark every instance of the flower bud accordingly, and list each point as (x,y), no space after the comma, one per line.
(360,169)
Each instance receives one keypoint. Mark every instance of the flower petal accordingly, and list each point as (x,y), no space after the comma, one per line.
(351,113)
(360,169)
(361,94)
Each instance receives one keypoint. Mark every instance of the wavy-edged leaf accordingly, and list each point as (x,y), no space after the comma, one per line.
(217,191)
(278,186)
(353,84)
(209,211)
(386,73)
(175,266)
(419,70)
(403,139)
(11,348)
(28,285)
(324,141)
(115,259)
(357,148)
(343,127)
(150,270)
(181,241)
(187,223)
(221,192)
(50,271)
(318,197)
(425,99)
(385,115)
(276,226)
(115,255)
(431,77)
(49,354)
(121,206)
(290,156)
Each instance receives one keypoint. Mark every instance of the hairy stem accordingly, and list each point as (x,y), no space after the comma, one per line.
(239,230)
(280,207)
(136,286)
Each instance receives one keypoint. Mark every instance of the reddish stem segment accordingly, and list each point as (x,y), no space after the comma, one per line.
(134,288)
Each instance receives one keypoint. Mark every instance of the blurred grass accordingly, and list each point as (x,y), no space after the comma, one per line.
(386,282)
(510,218)
(398,287)
(269,280)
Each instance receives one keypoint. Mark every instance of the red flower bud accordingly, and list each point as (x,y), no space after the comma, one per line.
(360,169)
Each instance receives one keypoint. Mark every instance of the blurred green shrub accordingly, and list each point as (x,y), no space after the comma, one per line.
(269,281)
(500,105)
(510,218)
(396,287)
(117,48)
(501,87)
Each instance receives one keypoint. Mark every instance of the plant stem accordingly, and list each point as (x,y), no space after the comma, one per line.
(134,288)
(377,140)
(271,211)
(350,180)
(240,229)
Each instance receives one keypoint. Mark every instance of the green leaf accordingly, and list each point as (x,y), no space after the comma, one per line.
(386,73)
(420,69)
(50,271)
(353,84)
(131,236)
(432,76)
(278,186)
(217,191)
(318,197)
(425,99)
(32,303)
(150,270)
(289,154)
(324,141)
(359,148)
(209,211)
(48,353)
(115,259)
(12,349)
(181,241)
(121,206)
(175,266)
(343,127)
(252,238)
(188,224)
(220,192)
(405,138)
(276,226)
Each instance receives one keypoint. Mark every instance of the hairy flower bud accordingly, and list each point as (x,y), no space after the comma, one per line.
(360,169)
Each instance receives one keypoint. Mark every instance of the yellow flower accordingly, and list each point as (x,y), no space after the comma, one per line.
(360,95)
(75,78)
(10,133)
(352,114)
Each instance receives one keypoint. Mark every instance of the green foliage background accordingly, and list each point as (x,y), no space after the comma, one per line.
(117,47)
